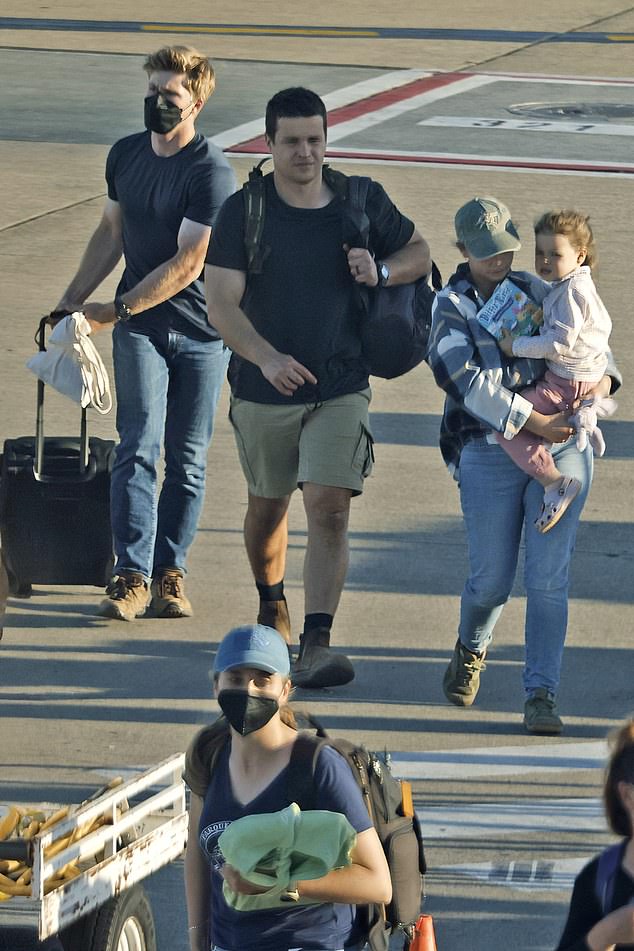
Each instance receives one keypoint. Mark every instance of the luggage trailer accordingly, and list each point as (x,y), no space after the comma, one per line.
(104,907)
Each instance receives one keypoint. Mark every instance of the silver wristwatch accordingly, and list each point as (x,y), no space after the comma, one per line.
(383,271)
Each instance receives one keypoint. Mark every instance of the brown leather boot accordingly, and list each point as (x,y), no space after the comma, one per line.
(317,665)
(168,595)
(126,597)
(275,614)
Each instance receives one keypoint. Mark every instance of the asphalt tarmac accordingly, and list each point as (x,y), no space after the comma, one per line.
(509,819)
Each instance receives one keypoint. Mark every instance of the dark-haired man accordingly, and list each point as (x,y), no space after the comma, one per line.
(300,391)
(165,187)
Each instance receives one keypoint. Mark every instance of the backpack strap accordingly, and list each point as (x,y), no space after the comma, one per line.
(607,868)
(353,191)
(253,193)
(301,769)
(203,753)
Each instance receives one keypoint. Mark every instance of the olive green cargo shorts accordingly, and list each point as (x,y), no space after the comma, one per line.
(281,447)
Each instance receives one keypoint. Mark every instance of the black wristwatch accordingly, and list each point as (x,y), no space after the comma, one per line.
(383,271)
(122,310)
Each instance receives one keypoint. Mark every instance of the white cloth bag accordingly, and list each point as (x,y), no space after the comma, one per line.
(71,364)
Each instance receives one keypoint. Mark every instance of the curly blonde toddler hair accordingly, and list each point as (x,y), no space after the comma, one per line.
(575,226)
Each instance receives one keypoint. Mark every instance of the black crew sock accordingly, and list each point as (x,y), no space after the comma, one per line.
(311,621)
(271,592)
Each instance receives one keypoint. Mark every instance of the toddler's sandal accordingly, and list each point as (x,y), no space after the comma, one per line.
(552,511)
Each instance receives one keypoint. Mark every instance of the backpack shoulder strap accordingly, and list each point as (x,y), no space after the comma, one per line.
(353,190)
(301,769)
(608,865)
(253,193)
(337,181)
(203,753)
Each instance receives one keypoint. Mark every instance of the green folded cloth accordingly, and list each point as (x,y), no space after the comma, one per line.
(279,848)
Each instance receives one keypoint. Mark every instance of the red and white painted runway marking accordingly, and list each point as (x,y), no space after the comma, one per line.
(361,106)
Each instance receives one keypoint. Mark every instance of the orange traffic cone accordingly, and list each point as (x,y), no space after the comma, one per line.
(424,938)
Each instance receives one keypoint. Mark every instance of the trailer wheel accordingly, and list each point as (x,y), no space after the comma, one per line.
(125,923)
(78,936)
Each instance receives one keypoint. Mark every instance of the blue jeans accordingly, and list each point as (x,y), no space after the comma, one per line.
(498,500)
(167,387)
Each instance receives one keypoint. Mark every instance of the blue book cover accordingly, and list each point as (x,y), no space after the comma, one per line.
(509,308)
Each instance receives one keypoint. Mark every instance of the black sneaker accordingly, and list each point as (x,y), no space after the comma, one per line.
(318,666)
(541,716)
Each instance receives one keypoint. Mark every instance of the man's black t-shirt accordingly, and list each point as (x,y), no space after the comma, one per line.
(155,194)
(304,302)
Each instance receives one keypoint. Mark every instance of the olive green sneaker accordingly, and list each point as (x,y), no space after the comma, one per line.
(462,677)
(540,714)
(126,597)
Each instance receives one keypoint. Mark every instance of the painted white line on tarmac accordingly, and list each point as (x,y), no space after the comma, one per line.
(332,100)
(487,762)
(527,125)
(550,79)
(126,772)
(526,876)
(493,820)
(483,762)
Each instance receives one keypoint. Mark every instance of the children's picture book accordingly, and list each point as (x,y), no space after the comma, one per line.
(509,308)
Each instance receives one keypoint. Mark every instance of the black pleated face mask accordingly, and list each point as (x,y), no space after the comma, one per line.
(246,713)
(161,115)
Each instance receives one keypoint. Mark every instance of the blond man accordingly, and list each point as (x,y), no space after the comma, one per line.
(165,188)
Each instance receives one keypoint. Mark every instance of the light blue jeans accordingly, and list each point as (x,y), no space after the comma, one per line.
(167,387)
(498,500)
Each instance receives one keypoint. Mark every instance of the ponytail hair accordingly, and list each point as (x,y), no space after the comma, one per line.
(287,716)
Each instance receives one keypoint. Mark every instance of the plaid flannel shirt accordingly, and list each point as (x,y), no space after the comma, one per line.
(480,382)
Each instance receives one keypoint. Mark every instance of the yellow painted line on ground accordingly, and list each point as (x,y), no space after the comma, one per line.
(621,37)
(252,30)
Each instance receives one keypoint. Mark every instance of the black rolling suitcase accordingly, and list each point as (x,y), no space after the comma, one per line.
(55,506)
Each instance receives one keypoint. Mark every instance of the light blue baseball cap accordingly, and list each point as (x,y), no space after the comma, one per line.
(253,645)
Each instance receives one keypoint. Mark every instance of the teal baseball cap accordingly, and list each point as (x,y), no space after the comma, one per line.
(485,227)
(253,645)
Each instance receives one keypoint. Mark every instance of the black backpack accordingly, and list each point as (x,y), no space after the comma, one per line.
(388,801)
(395,321)
(389,805)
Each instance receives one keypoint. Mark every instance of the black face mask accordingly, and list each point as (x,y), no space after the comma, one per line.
(161,117)
(245,713)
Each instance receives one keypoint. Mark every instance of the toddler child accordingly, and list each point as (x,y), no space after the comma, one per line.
(573,339)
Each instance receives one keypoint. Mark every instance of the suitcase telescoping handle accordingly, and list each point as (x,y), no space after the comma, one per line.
(87,465)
